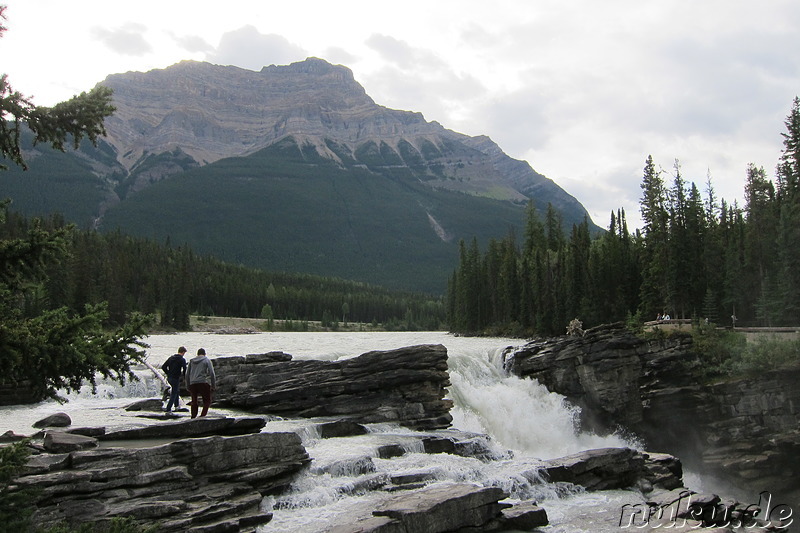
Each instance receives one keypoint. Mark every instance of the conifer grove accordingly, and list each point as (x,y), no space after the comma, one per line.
(696,256)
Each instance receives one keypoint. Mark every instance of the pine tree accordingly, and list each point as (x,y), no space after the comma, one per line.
(788,228)
(760,231)
(654,253)
(53,349)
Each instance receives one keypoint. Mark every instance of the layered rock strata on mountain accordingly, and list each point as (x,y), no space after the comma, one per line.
(204,112)
(405,386)
(740,429)
(200,484)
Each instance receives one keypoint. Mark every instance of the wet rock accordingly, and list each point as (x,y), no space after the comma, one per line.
(405,386)
(10,436)
(347,467)
(56,420)
(387,451)
(340,428)
(194,427)
(436,508)
(740,429)
(61,442)
(447,507)
(88,431)
(150,404)
(199,484)
(524,516)
(663,471)
(600,469)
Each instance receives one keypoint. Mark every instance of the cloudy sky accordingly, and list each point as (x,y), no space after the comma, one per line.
(583,90)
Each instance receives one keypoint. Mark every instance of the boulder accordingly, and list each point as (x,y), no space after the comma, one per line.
(433,509)
(524,516)
(61,442)
(56,420)
(405,386)
(340,428)
(10,436)
(149,404)
(600,469)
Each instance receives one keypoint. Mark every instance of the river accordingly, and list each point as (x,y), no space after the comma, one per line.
(519,415)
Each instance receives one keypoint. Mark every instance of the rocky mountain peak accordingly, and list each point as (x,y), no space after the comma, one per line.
(212,111)
(200,113)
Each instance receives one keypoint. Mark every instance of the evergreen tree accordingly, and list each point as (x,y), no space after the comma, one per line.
(53,349)
(759,241)
(788,231)
(654,253)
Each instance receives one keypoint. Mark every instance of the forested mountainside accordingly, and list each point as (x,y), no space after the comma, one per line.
(293,168)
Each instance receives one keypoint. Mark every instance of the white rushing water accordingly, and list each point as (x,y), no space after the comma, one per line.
(524,422)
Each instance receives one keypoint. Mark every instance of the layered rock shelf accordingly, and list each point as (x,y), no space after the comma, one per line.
(737,429)
(405,386)
(212,474)
(201,484)
(216,483)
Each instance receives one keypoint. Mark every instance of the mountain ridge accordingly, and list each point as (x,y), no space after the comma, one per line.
(211,111)
(292,168)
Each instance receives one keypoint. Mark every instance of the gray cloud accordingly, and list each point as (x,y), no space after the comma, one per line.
(519,120)
(248,48)
(401,54)
(127,39)
(338,55)
(193,43)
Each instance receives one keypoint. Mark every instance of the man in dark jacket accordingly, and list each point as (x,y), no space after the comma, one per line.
(175,369)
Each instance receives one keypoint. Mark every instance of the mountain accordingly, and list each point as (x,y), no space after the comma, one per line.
(291,168)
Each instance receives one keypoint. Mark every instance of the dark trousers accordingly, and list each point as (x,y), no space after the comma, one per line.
(174,394)
(203,390)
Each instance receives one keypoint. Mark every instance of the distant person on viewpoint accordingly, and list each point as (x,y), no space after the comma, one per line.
(200,380)
(175,369)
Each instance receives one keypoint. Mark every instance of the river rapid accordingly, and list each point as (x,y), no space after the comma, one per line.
(524,422)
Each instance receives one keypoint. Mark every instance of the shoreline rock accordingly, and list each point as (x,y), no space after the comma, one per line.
(405,386)
(213,483)
(737,429)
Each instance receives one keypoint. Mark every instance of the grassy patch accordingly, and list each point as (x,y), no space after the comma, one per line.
(727,353)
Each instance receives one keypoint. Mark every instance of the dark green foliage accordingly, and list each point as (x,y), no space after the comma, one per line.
(65,123)
(80,117)
(46,346)
(134,274)
(725,352)
(59,182)
(16,506)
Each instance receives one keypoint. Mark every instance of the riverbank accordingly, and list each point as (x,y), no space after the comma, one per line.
(224,324)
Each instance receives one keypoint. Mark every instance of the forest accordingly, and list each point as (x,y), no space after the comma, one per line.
(696,256)
(172,283)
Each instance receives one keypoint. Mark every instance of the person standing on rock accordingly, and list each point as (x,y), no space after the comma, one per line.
(175,369)
(201,381)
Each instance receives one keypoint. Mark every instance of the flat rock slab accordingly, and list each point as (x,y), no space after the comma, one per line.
(61,442)
(193,427)
(599,469)
(525,516)
(433,509)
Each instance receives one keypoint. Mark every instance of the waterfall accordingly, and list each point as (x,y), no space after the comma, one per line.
(516,415)
(520,414)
